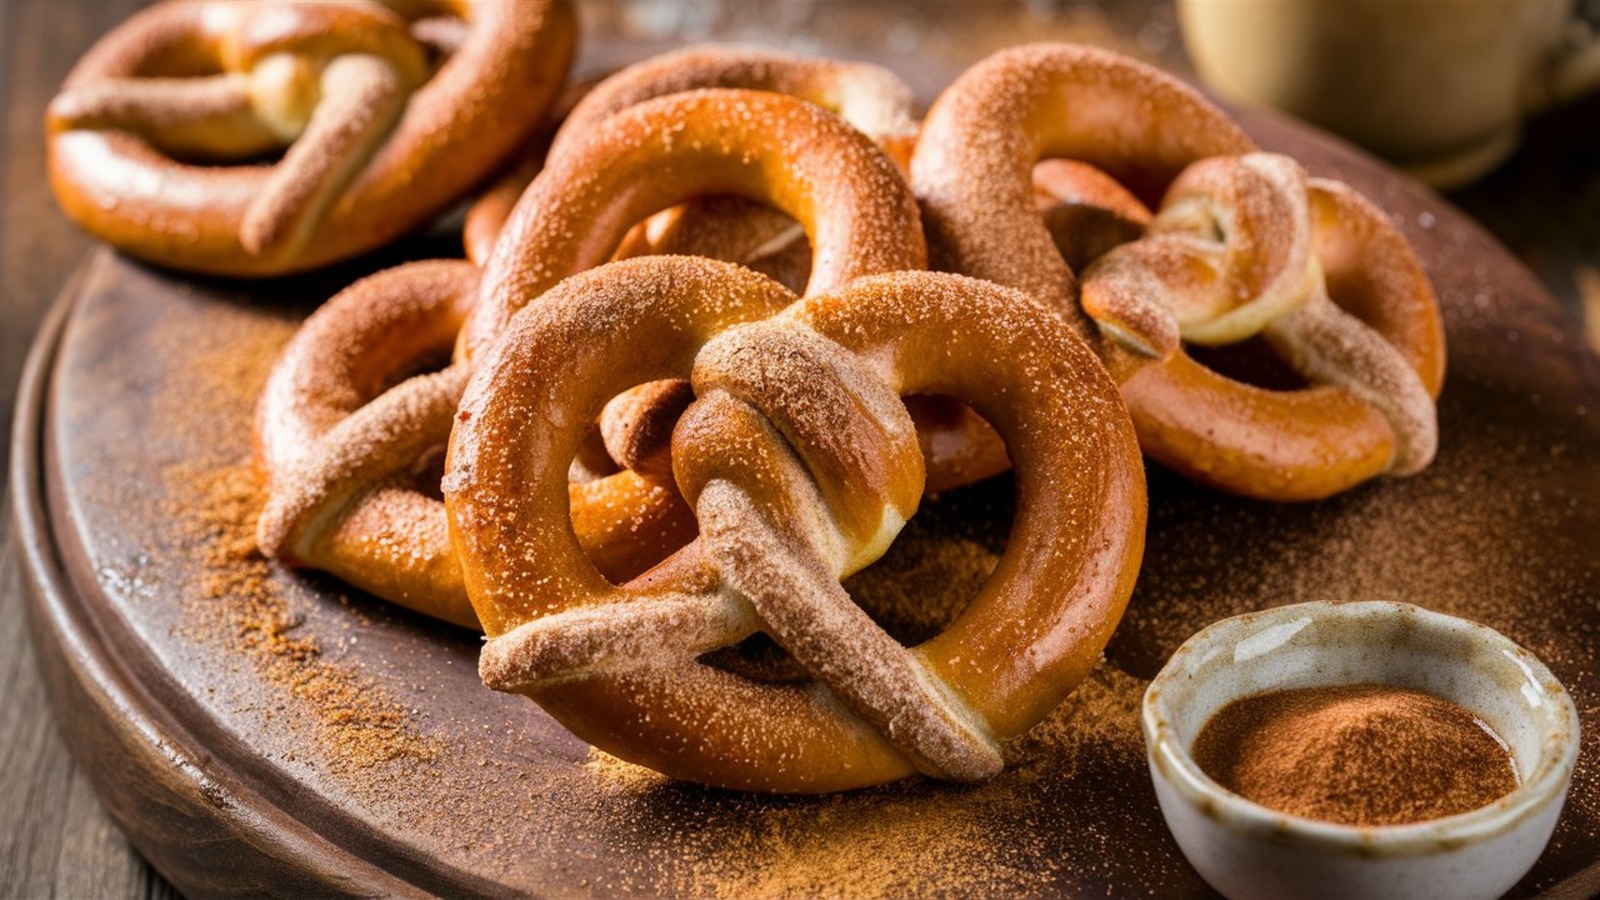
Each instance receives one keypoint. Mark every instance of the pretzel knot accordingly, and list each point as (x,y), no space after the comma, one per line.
(344,91)
(1233,254)
(802,464)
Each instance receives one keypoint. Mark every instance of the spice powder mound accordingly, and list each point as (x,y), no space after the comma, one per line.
(1363,754)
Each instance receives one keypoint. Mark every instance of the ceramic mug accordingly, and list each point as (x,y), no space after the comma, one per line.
(1439,86)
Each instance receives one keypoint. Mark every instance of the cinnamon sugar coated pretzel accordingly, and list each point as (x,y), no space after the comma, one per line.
(1370,409)
(740,228)
(962,448)
(347,426)
(376,136)
(801,465)
(755,145)
(1244,245)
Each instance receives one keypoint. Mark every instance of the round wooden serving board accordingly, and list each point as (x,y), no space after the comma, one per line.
(255,729)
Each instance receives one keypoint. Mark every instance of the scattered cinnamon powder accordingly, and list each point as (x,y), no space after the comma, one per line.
(236,599)
(239,604)
(1362,754)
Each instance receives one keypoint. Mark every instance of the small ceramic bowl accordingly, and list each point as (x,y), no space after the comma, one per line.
(1246,850)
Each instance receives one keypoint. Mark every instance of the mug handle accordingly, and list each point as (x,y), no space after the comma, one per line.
(1572,71)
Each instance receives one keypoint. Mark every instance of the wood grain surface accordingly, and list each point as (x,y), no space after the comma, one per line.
(54,840)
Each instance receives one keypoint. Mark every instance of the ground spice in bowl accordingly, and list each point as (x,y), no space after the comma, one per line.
(1362,754)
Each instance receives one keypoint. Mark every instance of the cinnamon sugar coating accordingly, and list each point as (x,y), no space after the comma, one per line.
(791,155)
(972,169)
(871,99)
(786,153)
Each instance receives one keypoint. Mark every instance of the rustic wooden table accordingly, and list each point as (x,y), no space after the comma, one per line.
(54,839)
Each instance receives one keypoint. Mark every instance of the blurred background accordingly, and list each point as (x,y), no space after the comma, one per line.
(1489,99)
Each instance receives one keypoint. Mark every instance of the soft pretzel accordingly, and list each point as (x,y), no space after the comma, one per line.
(869,97)
(802,466)
(346,430)
(374,142)
(659,153)
(1268,251)
(1370,407)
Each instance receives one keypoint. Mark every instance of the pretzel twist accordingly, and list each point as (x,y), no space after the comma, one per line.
(802,466)
(756,145)
(744,227)
(1244,245)
(1232,255)
(346,429)
(374,142)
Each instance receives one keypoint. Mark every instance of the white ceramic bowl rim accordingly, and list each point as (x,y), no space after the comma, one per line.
(1548,777)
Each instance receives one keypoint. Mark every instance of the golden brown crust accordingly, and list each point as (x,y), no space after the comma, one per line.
(1086,211)
(802,468)
(872,99)
(760,146)
(273,61)
(973,166)
(960,447)
(487,215)
(1374,371)
(783,152)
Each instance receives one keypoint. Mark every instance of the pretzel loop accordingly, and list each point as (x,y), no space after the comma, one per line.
(872,99)
(1229,252)
(762,146)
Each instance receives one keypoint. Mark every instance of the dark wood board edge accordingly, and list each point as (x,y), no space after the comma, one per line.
(147,770)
